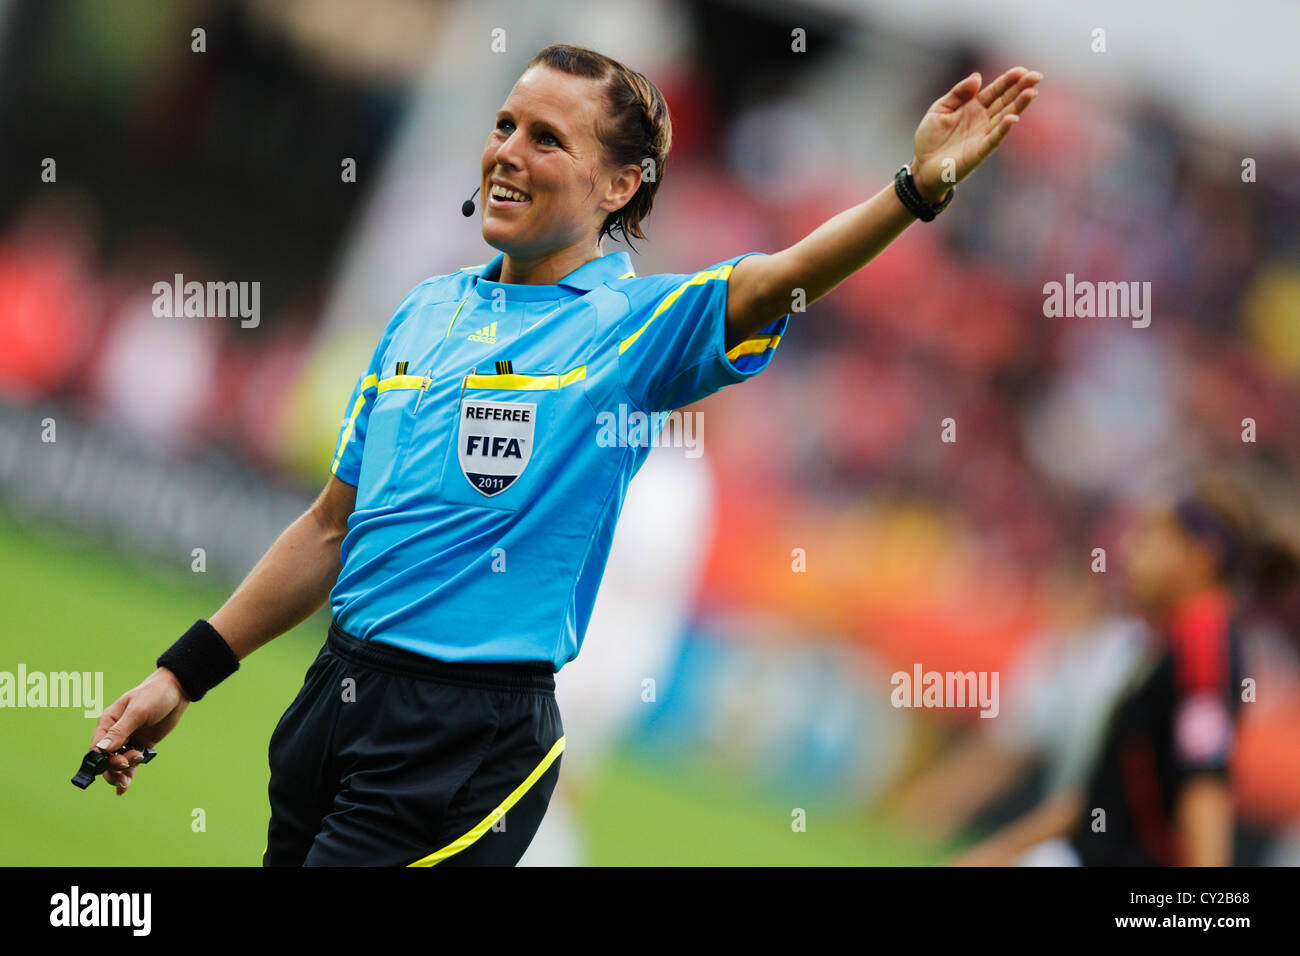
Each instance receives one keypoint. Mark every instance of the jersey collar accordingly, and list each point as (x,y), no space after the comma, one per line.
(595,273)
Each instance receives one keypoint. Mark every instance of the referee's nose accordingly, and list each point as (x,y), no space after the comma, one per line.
(507,157)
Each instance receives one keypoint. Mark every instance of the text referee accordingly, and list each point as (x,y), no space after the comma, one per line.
(461,536)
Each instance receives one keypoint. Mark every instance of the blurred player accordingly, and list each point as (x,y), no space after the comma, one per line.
(1158,793)
(1057,695)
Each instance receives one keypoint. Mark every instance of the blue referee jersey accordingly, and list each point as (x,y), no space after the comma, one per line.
(488,477)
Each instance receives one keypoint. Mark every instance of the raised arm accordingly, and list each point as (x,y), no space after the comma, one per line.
(958,132)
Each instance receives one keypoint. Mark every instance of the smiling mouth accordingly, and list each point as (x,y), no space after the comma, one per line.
(501,197)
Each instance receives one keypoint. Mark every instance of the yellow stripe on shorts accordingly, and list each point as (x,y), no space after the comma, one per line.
(468,840)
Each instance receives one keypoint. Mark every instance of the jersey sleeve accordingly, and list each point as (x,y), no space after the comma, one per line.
(346,463)
(1204,719)
(672,342)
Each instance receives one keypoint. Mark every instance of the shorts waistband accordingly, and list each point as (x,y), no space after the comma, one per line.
(538,678)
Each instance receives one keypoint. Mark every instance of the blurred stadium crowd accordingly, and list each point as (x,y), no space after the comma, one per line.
(969,555)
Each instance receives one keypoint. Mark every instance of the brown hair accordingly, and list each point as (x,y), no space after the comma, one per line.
(636,128)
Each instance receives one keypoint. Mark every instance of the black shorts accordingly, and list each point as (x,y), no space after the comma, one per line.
(391,758)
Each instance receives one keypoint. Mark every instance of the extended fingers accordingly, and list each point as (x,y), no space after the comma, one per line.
(998,87)
(1014,110)
(999,134)
(1015,97)
(995,138)
(959,94)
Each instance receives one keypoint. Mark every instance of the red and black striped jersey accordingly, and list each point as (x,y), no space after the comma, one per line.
(1179,719)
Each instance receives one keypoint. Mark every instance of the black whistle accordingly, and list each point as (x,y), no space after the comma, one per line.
(96,762)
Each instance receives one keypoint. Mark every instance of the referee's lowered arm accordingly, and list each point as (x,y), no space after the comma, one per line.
(292,581)
(289,584)
(958,132)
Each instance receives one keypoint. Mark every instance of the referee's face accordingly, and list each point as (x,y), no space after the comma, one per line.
(545,146)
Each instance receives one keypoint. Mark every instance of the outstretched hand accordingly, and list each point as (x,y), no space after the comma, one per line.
(962,128)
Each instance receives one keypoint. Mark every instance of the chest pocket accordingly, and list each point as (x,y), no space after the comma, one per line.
(391,457)
(505,435)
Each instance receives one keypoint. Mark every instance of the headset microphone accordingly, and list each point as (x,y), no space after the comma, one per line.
(467,207)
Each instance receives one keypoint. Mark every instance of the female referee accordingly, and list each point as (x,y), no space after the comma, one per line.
(463,530)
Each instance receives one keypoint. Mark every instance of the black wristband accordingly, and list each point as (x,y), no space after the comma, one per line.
(200,659)
(911,197)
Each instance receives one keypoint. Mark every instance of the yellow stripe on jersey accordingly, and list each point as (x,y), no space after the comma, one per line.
(401,381)
(722,272)
(526,383)
(754,346)
(531,383)
(574,375)
(468,840)
(456,313)
(367,382)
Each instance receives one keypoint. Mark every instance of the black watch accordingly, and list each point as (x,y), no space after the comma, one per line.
(910,196)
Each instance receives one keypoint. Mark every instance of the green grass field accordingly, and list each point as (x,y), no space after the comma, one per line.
(69,607)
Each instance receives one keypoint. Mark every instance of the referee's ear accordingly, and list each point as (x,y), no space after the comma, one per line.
(623,187)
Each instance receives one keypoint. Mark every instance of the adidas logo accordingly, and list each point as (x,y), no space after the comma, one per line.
(486,334)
